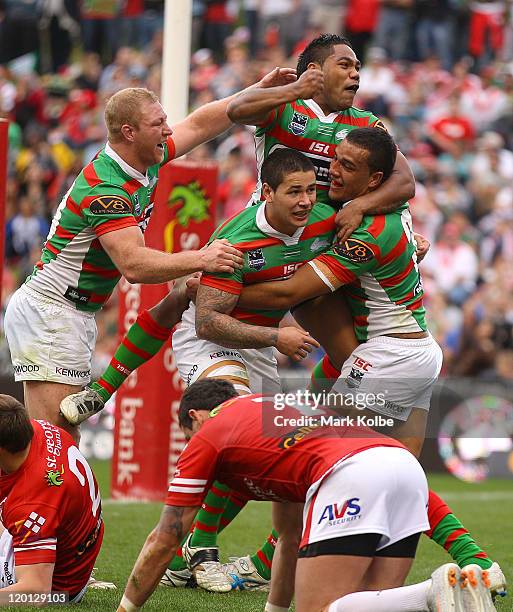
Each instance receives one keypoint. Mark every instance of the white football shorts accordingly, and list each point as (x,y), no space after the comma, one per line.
(49,341)
(250,370)
(391,376)
(7,573)
(348,501)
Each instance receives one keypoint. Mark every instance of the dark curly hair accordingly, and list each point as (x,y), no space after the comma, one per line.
(318,50)
(204,394)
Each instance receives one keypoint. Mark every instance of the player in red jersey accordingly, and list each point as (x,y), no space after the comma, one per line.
(50,507)
(354,537)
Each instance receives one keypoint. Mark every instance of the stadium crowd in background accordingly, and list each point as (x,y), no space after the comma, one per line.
(444,88)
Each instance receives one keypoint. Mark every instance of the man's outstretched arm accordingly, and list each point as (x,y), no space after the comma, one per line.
(252,106)
(158,550)
(303,285)
(211,120)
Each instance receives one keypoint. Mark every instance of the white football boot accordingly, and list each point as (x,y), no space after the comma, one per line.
(445,593)
(78,407)
(244,575)
(476,589)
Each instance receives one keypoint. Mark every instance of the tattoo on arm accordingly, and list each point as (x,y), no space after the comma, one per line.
(214,322)
(172,521)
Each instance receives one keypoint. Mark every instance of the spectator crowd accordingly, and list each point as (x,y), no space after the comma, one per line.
(438,72)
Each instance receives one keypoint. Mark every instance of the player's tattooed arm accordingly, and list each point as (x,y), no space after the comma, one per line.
(303,285)
(214,322)
(158,550)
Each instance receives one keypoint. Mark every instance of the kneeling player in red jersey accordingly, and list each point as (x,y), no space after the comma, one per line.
(50,507)
(356,542)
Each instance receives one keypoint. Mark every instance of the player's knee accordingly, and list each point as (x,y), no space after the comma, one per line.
(232,371)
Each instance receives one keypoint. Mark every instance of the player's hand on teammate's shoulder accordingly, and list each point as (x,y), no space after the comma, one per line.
(220,256)
(309,84)
(423,246)
(277,77)
(295,342)
(348,219)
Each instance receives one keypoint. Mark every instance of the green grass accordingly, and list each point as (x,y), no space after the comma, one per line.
(485,509)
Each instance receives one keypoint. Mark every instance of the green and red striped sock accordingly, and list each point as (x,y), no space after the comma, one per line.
(142,341)
(263,557)
(209,516)
(447,531)
(324,376)
(234,505)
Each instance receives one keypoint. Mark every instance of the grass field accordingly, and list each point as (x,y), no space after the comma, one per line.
(485,509)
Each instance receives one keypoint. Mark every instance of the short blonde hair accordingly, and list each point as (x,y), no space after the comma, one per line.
(124,107)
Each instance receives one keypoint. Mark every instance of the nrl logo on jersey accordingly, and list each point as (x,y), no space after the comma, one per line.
(341,134)
(256,259)
(298,124)
(137,205)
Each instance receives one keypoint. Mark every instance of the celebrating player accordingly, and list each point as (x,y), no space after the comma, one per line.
(396,361)
(50,507)
(369,546)
(215,340)
(275,238)
(96,236)
(311,115)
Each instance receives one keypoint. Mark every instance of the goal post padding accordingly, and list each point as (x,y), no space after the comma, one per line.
(147,439)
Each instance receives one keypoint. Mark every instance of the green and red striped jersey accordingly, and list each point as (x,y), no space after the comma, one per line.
(378,268)
(302,125)
(108,195)
(268,254)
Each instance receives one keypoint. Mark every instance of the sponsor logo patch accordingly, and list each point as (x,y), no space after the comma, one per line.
(20,369)
(110,205)
(339,513)
(355,378)
(354,250)
(341,134)
(76,295)
(220,354)
(256,259)
(8,576)
(379,124)
(72,373)
(298,124)
(54,477)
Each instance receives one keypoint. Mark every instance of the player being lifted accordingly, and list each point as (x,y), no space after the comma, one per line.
(395,354)
(96,236)
(313,116)
(344,565)
(310,115)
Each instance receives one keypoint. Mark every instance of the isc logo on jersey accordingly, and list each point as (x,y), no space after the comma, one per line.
(339,513)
